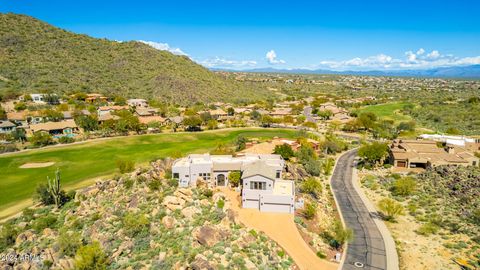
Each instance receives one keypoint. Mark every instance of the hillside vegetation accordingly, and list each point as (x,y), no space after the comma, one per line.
(35,56)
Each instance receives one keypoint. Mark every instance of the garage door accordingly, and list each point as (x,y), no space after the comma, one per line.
(276,208)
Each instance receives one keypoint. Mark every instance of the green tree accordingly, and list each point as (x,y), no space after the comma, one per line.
(267,120)
(341,235)
(230,111)
(192,123)
(367,120)
(40,139)
(255,115)
(373,153)
(52,115)
(87,122)
(20,106)
(212,124)
(234,178)
(120,101)
(305,153)
(91,257)
(3,114)
(327,165)
(284,150)
(240,143)
(325,114)
(390,208)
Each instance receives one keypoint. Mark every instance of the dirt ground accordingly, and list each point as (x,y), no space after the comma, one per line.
(416,252)
(282,229)
(36,165)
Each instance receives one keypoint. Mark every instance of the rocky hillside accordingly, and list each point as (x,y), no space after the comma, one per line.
(138,221)
(35,56)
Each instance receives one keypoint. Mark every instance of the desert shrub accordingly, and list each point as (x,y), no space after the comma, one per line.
(220,204)
(173,182)
(234,178)
(91,257)
(207,193)
(43,195)
(66,139)
(281,253)
(128,183)
(311,186)
(48,221)
(374,153)
(321,255)
(390,208)
(69,242)
(8,234)
(312,167)
(154,185)
(253,233)
(342,235)
(300,221)
(404,186)
(310,210)
(134,224)
(28,214)
(428,229)
(125,166)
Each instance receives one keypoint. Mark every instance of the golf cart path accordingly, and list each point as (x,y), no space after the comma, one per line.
(282,229)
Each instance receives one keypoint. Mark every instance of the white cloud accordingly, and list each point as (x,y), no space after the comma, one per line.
(272,58)
(433,55)
(223,62)
(163,47)
(413,60)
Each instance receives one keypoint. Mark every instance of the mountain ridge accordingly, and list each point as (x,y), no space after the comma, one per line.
(467,72)
(36,56)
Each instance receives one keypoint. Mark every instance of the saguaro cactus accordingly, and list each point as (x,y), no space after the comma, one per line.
(54,188)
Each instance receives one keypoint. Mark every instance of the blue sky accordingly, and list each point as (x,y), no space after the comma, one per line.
(356,35)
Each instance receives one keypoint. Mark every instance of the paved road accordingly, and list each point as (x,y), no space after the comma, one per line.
(307,111)
(367,247)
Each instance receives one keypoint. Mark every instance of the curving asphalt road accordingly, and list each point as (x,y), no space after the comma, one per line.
(368,246)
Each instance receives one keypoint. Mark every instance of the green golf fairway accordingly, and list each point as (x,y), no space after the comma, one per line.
(97,158)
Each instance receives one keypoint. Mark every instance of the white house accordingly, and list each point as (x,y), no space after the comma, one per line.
(453,140)
(7,126)
(261,181)
(137,102)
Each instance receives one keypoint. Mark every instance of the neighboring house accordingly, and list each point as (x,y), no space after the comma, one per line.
(448,139)
(109,109)
(6,126)
(176,120)
(62,128)
(261,180)
(281,112)
(137,102)
(141,111)
(94,97)
(19,118)
(425,154)
(107,116)
(38,98)
(151,119)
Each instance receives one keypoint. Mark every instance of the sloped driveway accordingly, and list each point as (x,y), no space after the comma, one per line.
(282,229)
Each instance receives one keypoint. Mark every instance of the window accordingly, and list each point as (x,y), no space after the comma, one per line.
(205,176)
(176,175)
(278,174)
(258,185)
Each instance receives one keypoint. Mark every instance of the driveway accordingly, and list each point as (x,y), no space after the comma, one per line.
(372,246)
(282,229)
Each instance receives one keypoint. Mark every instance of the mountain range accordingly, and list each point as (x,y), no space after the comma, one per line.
(469,72)
(38,57)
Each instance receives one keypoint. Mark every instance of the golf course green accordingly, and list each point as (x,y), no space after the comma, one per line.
(83,161)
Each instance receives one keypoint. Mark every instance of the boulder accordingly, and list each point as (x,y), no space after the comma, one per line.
(25,236)
(173,203)
(209,235)
(190,212)
(168,222)
(66,264)
(200,263)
